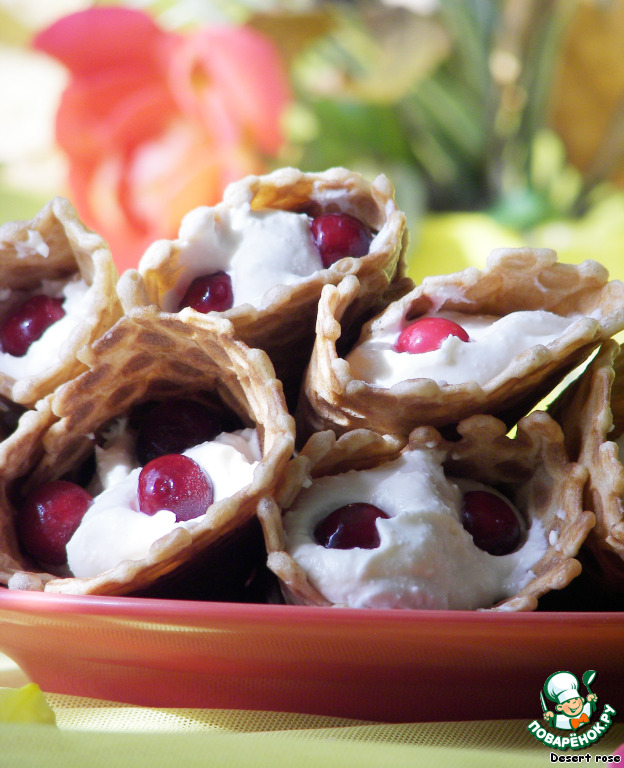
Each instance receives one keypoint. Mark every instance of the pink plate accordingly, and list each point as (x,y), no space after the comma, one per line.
(374,665)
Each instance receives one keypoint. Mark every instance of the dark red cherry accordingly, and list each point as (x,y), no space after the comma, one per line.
(338,235)
(176,483)
(427,334)
(491,521)
(209,293)
(353,525)
(49,518)
(173,426)
(28,323)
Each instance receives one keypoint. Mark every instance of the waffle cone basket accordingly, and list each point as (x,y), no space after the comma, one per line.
(591,413)
(150,356)
(56,245)
(514,279)
(19,452)
(532,467)
(284,328)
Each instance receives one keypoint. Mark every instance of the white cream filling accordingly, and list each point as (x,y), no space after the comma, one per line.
(426,559)
(259,250)
(114,529)
(44,353)
(494,343)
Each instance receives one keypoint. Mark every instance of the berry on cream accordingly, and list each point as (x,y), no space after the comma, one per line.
(160,467)
(425,556)
(114,528)
(230,256)
(483,351)
(40,334)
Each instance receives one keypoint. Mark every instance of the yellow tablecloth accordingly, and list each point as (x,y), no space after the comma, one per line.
(91,733)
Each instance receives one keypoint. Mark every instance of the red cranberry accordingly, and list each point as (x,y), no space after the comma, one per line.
(173,426)
(49,518)
(209,293)
(28,323)
(353,525)
(338,235)
(491,521)
(176,483)
(427,334)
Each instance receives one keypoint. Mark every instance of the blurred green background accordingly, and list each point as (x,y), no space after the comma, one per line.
(499,123)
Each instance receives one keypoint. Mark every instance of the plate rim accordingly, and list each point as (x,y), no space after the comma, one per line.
(182,610)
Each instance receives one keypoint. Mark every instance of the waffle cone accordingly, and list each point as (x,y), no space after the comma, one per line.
(514,279)
(532,468)
(591,413)
(145,356)
(54,245)
(285,327)
(19,451)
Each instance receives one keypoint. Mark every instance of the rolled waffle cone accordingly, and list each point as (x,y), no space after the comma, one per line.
(591,413)
(532,469)
(55,245)
(514,279)
(285,327)
(147,356)
(19,451)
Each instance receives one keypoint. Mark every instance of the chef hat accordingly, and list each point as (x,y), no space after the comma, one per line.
(561,687)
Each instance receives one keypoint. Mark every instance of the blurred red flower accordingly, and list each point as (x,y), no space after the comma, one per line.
(155,123)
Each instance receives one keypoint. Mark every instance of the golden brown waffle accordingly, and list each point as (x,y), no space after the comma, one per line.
(514,279)
(532,469)
(591,413)
(19,452)
(285,328)
(149,355)
(56,245)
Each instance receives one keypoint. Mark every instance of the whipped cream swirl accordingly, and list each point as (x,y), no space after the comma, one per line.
(425,559)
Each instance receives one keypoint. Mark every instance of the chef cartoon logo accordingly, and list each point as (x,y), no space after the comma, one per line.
(571,709)
(572,712)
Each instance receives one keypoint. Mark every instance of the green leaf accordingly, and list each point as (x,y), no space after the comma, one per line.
(349,131)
